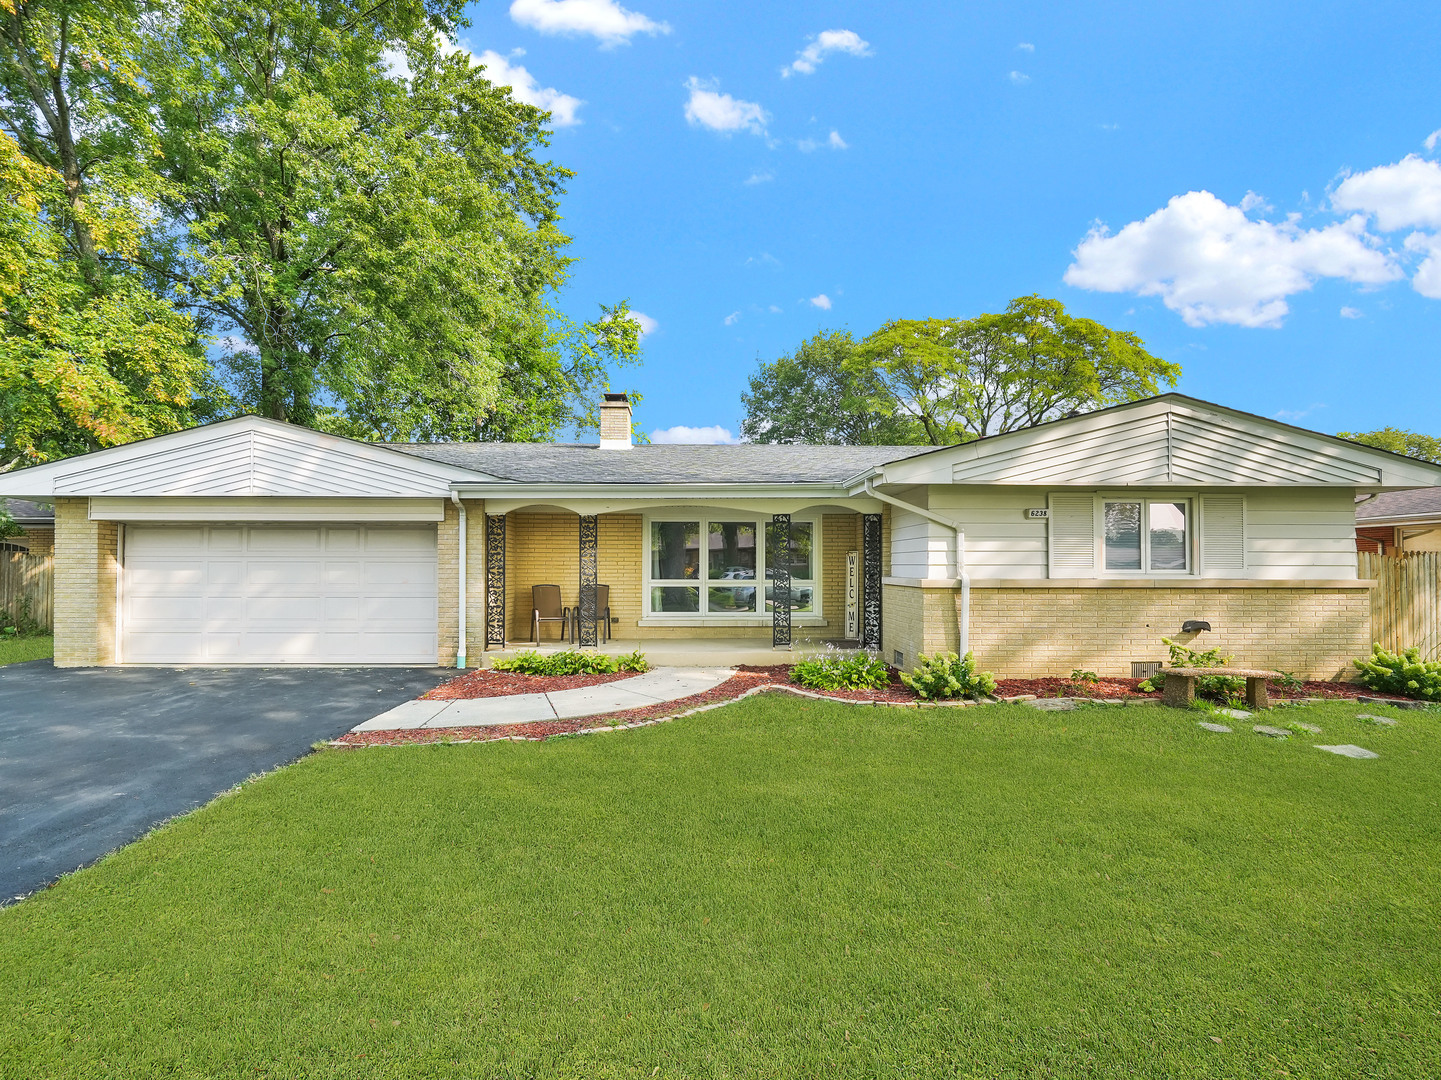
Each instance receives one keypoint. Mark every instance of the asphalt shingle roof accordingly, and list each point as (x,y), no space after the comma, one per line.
(29,513)
(745,463)
(1389,504)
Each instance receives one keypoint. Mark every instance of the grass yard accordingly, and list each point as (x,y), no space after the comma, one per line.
(774,889)
(14,650)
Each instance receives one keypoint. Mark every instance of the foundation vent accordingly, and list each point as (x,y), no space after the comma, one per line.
(1144,669)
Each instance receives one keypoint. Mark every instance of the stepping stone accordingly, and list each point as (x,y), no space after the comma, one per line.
(1385,721)
(1273,732)
(1393,702)
(1019,697)
(1219,728)
(1310,729)
(1052,704)
(1235,714)
(1347,750)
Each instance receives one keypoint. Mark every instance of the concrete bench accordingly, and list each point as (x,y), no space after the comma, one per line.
(1179,689)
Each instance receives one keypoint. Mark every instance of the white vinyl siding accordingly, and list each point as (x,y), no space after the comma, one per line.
(1288,533)
(1223,533)
(921,548)
(1072,535)
(279,594)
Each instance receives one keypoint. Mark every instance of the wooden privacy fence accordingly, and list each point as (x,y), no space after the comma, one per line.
(1406,600)
(28,577)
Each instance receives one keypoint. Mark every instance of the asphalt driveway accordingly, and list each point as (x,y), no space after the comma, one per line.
(91,758)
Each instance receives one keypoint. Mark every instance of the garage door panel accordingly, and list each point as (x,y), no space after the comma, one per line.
(282,541)
(279,595)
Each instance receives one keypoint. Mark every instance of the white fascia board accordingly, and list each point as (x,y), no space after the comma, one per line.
(265,508)
(664,493)
(1432,518)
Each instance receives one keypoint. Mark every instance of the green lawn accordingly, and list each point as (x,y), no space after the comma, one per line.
(14,650)
(773,889)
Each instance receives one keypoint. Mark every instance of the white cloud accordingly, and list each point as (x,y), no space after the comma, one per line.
(828,41)
(603,19)
(1211,263)
(709,108)
(765,258)
(760,177)
(708,436)
(1291,416)
(822,301)
(646,324)
(1401,196)
(1433,139)
(1427,281)
(1251,201)
(1020,78)
(523,87)
(1352,313)
(775,309)
(833,142)
(1026,46)
(733,318)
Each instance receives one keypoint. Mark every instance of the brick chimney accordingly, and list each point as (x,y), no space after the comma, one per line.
(615,422)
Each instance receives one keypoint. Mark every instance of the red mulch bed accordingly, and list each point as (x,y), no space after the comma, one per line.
(489,683)
(746,677)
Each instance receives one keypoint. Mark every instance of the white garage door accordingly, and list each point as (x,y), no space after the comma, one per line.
(279,594)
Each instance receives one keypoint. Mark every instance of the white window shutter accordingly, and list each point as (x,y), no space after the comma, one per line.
(1223,532)
(1072,533)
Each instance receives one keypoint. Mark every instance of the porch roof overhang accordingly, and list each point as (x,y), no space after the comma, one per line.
(503,497)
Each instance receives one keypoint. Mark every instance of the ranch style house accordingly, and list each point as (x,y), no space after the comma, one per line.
(1076,544)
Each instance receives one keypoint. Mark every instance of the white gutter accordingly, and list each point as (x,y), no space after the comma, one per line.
(460,584)
(964,624)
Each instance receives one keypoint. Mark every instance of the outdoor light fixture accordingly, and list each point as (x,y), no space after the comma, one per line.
(1191,626)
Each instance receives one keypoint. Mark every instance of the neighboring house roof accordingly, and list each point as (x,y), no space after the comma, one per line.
(1419,505)
(28,513)
(742,463)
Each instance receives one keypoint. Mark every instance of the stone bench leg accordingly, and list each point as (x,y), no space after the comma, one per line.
(1256,694)
(1178,691)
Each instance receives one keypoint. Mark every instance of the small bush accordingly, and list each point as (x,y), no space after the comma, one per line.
(947,675)
(571,662)
(1085,679)
(21,624)
(1401,673)
(837,670)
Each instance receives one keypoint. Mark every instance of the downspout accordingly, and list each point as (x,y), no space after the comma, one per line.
(460,585)
(964,627)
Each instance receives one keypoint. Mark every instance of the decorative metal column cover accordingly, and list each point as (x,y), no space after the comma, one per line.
(494,579)
(780,559)
(870,581)
(589,551)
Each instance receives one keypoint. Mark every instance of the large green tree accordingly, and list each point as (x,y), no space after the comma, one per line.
(91,352)
(817,394)
(1398,441)
(383,249)
(961,379)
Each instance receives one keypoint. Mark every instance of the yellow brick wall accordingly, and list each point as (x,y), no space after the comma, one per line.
(1035,632)
(840,534)
(86,570)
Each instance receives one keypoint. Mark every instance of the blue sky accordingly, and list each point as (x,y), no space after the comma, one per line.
(1254,189)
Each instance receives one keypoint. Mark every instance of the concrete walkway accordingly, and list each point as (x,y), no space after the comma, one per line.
(652,688)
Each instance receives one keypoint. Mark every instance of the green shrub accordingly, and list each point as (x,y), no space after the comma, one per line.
(1401,673)
(1220,687)
(838,670)
(1085,679)
(20,623)
(571,662)
(946,675)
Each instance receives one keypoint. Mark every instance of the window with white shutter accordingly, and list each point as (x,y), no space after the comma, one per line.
(1223,532)
(1071,529)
